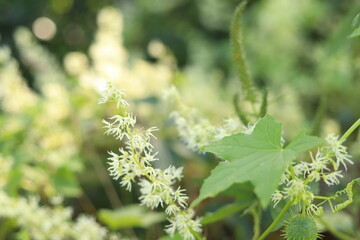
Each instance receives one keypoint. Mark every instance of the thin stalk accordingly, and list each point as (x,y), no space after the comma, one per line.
(264,103)
(336,233)
(276,221)
(321,197)
(350,131)
(241,115)
(86,203)
(256,214)
(196,235)
(239,59)
(319,117)
(106,182)
(292,171)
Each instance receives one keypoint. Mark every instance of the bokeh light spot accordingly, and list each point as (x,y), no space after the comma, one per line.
(44,28)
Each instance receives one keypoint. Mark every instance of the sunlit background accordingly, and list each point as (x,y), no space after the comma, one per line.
(56,55)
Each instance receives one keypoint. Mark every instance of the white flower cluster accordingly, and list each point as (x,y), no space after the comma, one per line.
(134,163)
(197,132)
(44,223)
(43,65)
(111,94)
(323,166)
(50,141)
(15,95)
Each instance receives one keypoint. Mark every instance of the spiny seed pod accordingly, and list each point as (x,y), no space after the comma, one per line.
(301,228)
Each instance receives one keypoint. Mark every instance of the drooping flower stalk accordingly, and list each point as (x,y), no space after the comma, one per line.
(134,163)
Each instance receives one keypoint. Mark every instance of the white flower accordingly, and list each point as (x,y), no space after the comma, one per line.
(181,197)
(301,169)
(339,150)
(285,177)
(43,222)
(127,180)
(139,142)
(276,197)
(249,128)
(319,162)
(112,94)
(332,178)
(172,209)
(312,209)
(149,157)
(296,189)
(86,228)
(231,124)
(114,168)
(184,224)
(151,200)
(314,175)
(149,131)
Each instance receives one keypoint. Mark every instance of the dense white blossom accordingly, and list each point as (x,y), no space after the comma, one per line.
(133,163)
(196,131)
(44,223)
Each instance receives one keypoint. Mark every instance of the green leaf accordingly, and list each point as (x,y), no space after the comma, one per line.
(302,142)
(14,181)
(175,237)
(65,182)
(241,191)
(356,26)
(129,216)
(258,158)
(355,33)
(226,211)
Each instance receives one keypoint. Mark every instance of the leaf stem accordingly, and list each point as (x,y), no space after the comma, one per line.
(350,131)
(276,221)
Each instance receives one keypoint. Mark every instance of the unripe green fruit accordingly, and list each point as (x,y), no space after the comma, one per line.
(301,228)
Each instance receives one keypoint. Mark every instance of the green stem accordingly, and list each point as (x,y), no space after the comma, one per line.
(336,233)
(256,214)
(321,197)
(105,181)
(241,115)
(292,171)
(319,117)
(196,235)
(264,103)
(239,59)
(350,131)
(276,221)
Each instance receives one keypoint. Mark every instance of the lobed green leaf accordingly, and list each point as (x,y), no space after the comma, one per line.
(259,158)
